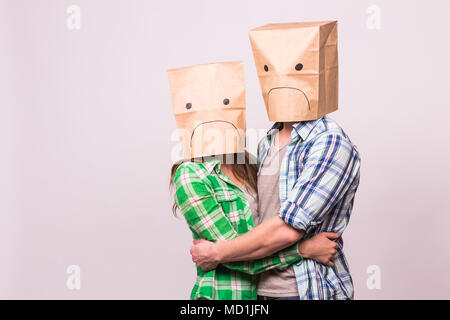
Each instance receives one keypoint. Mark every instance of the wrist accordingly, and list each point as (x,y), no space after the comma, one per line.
(303,250)
(217,253)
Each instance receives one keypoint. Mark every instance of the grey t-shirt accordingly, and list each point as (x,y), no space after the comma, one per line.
(252,200)
(275,282)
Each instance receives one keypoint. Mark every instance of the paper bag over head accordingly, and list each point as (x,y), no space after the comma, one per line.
(209,106)
(297,66)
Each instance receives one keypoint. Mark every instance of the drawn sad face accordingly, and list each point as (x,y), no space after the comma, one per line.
(290,69)
(209,106)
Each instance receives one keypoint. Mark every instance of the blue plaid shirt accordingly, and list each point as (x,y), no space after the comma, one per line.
(319,176)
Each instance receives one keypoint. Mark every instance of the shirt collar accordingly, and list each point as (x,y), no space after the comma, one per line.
(211,165)
(214,165)
(301,129)
(304,128)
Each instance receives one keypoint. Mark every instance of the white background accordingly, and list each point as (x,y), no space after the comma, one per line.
(86,124)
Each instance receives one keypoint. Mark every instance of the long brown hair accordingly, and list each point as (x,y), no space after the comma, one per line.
(244,170)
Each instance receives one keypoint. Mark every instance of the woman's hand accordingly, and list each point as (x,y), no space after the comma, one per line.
(321,248)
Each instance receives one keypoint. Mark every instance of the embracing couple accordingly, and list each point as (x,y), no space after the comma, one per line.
(270,227)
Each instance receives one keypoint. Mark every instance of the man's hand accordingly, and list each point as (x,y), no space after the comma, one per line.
(204,254)
(321,248)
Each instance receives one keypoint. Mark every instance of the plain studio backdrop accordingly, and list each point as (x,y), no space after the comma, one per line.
(86,132)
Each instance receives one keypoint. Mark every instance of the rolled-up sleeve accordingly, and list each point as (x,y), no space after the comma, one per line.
(327,171)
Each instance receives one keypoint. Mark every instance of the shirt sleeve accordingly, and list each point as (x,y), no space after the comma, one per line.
(207,220)
(327,172)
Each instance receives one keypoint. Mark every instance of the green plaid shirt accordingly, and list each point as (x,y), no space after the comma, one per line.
(216,209)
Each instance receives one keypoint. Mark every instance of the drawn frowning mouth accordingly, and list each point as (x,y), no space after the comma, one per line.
(221,121)
(291,88)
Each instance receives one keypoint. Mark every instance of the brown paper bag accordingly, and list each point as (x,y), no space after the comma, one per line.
(209,106)
(297,66)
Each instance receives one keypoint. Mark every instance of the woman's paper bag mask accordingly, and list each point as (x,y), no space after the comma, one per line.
(297,66)
(209,106)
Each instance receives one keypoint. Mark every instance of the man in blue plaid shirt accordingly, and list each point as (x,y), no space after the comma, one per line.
(305,156)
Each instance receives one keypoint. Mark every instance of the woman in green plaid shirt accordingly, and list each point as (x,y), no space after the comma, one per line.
(216,208)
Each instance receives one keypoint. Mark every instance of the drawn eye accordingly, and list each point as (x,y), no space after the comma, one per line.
(226,101)
(299,67)
(188,105)
(266,68)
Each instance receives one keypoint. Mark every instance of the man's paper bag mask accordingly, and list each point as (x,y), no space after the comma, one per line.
(209,106)
(297,66)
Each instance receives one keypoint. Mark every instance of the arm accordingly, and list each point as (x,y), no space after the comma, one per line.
(206,219)
(269,237)
(320,248)
(282,260)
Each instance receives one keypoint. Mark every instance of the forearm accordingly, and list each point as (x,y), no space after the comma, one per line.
(264,240)
(280,260)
